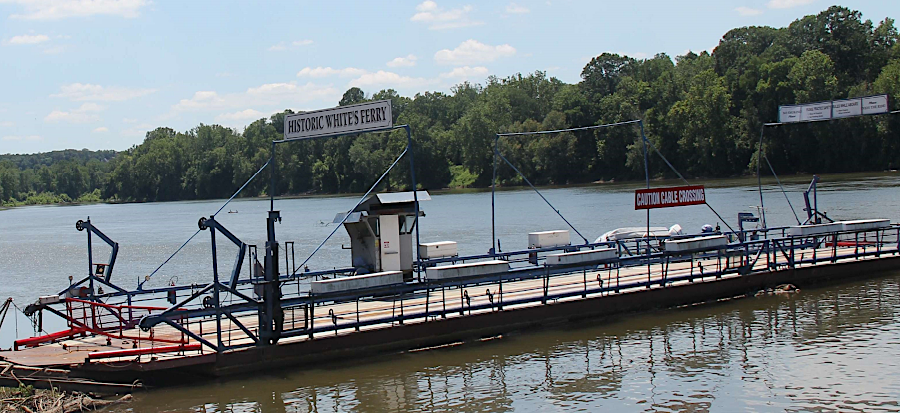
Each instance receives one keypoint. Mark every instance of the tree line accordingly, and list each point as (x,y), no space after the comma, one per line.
(703,112)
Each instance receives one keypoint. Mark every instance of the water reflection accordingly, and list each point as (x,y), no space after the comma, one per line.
(830,349)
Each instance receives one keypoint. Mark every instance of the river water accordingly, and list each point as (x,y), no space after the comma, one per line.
(826,349)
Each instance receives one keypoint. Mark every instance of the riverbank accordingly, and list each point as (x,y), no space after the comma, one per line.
(30,400)
(709,182)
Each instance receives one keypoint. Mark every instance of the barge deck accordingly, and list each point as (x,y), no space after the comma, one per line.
(439,313)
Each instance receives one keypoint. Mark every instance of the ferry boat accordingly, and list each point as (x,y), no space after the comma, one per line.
(398,294)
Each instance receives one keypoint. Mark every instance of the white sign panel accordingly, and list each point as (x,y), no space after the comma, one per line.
(846,108)
(874,104)
(816,111)
(341,120)
(787,114)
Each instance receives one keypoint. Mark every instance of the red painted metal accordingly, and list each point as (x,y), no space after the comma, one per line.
(35,341)
(113,321)
(140,351)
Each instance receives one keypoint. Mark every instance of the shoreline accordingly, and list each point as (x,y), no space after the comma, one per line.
(723,182)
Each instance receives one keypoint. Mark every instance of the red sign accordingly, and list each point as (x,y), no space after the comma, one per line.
(669,197)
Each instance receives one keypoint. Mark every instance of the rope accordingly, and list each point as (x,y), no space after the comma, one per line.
(347,215)
(147,278)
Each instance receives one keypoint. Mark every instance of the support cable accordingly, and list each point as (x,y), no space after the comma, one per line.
(347,215)
(242,187)
(685,180)
(494,245)
(545,132)
(147,278)
(782,189)
(542,196)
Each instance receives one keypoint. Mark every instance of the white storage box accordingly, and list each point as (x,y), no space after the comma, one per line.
(356,282)
(580,257)
(709,242)
(429,250)
(816,229)
(548,239)
(865,224)
(49,299)
(471,269)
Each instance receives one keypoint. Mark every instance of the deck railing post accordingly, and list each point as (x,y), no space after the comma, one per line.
(500,294)
(878,238)
(584,274)
(792,252)
(217,307)
(312,316)
(427,300)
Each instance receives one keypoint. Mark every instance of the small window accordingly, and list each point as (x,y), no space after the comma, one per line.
(408,224)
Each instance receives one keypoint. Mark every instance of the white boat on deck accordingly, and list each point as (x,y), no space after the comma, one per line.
(626,233)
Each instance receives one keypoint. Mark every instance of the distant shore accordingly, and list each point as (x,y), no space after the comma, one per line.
(710,182)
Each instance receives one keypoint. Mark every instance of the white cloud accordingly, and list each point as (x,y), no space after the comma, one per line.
(86,113)
(473,51)
(7,124)
(466,72)
(129,120)
(270,94)
(391,79)
(439,19)
(19,138)
(102,129)
(29,39)
(513,8)
(60,9)
(787,4)
(407,61)
(281,46)
(747,11)
(89,92)
(239,117)
(328,71)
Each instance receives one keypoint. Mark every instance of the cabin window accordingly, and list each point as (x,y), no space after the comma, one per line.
(407,225)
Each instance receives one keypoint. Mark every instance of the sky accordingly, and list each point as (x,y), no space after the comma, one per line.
(98,74)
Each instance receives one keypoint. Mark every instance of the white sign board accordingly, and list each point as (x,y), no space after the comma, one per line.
(847,108)
(788,114)
(875,104)
(341,120)
(869,105)
(816,111)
